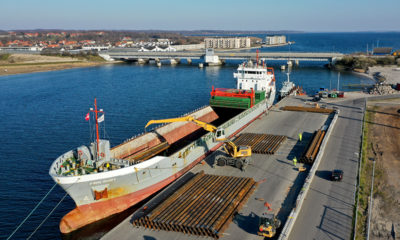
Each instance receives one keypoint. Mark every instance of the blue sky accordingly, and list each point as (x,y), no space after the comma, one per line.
(301,15)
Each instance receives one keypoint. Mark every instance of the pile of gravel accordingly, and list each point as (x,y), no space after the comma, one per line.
(382,89)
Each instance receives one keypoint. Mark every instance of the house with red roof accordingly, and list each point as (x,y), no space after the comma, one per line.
(30,35)
(53,46)
(53,34)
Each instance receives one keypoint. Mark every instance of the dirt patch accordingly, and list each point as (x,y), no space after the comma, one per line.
(35,58)
(391,74)
(28,63)
(17,69)
(384,143)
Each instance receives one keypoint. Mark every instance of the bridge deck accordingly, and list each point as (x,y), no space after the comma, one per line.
(127,54)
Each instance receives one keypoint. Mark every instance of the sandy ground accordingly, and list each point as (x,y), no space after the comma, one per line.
(385,142)
(28,63)
(10,70)
(390,73)
(35,58)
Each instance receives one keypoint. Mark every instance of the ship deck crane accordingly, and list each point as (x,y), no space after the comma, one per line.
(238,156)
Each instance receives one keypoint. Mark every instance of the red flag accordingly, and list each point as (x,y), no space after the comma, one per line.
(87,116)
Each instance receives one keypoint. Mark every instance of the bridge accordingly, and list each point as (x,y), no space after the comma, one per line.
(218,57)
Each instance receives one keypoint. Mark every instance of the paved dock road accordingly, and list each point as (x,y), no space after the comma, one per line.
(279,180)
(327,211)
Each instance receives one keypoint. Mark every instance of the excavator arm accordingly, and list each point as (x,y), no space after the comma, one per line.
(220,133)
(206,126)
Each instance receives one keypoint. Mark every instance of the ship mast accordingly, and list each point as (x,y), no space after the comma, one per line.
(97,126)
(257,58)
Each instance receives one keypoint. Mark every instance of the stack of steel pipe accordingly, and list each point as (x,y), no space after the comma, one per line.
(307,109)
(204,206)
(313,147)
(261,143)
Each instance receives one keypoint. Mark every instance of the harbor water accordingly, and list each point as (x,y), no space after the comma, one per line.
(43,116)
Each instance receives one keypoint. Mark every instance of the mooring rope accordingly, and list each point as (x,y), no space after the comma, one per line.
(48,215)
(34,209)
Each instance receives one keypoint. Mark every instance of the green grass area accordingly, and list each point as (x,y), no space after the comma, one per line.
(4,57)
(365,179)
(363,62)
(93,57)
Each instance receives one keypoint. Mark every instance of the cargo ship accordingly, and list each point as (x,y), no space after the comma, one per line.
(104,181)
(254,84)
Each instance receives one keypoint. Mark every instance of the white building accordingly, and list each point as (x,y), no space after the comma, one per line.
(242,42)
(277,39)
(95,47)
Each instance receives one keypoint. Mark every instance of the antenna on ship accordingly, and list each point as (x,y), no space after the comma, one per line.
(97,119)
(288,77)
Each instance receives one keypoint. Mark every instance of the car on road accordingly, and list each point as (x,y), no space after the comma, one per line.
(337,175)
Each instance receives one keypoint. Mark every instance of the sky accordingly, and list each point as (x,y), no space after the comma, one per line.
(254,15)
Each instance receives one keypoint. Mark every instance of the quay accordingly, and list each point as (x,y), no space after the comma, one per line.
(280,183)
(214,57)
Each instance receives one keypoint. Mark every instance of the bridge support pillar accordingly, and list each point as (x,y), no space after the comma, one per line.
(210,59)
(142,60)
(189,61)
(297,62)
(332,62)
(174,61)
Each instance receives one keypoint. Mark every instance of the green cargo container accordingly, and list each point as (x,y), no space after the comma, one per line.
(236,102)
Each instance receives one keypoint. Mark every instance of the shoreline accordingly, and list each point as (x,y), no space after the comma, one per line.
(385,77)
(365,75)
(391,76)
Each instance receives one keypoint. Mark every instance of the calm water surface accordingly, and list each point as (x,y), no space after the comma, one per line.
(42,116)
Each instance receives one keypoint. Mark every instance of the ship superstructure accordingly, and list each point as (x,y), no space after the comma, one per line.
(254,83)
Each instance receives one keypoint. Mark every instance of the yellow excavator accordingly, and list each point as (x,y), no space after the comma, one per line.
(238,156)
(268,225)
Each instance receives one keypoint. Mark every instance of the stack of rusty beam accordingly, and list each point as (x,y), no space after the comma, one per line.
(313,147)
(148,153)
(307,109)
(260,143)
(204,206)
